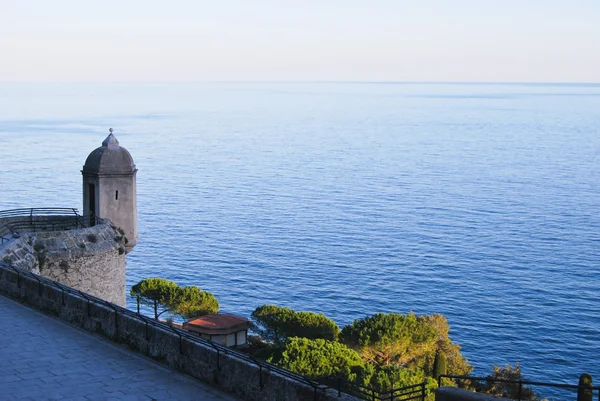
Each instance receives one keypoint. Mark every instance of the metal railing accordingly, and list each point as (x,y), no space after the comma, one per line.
(219,349)
(43,211)
(42,219)
(416,392)
(475,382)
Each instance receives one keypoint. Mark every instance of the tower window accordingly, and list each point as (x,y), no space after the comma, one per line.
(117,195)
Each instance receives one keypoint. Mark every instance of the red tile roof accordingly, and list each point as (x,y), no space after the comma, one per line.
(220,323)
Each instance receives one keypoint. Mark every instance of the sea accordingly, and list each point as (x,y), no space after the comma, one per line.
(479,201)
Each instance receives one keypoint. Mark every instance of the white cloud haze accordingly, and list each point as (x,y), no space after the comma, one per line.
(333,40)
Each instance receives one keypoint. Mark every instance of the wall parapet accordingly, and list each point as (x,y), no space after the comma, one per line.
(219,366)
(457,394)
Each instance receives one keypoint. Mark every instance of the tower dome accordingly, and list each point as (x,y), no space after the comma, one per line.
(109,188)
(110,158)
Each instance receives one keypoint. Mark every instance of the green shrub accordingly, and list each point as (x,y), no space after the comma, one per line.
(316,358)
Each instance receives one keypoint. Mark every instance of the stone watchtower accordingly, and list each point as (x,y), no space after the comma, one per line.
(109,188)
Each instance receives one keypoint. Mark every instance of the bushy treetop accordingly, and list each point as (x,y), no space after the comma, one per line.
(157,293)
(194,302)
(276,324)
(188,302)
(404,340)
(316,358)
(389,328)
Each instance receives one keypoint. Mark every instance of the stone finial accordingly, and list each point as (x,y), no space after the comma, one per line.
(110,141)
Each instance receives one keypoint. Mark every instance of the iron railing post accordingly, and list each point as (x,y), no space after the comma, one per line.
(520,388)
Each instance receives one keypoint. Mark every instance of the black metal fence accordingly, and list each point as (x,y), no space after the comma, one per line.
(415,392)
(475,382)
(44,211)
(41,219)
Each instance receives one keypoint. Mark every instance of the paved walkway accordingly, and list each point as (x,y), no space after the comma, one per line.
(43,358)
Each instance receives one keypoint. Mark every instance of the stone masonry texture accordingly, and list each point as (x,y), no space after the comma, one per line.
(91,259)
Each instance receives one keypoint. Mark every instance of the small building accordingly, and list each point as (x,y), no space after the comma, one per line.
(224,329)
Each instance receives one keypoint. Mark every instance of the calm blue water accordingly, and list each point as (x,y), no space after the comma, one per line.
(477,201)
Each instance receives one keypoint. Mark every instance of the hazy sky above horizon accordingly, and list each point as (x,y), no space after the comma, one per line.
(309,40)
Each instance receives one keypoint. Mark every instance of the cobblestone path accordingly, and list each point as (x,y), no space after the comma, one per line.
(43,358)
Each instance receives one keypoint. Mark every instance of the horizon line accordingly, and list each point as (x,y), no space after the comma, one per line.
(314,82)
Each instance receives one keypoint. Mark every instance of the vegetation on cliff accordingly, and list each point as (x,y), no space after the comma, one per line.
(383,351)
(405,340)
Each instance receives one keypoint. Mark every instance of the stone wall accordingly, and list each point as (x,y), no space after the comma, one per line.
(91,259)
(219,366)
(457,394)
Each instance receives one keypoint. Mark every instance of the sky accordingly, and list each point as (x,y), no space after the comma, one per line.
(302,40)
